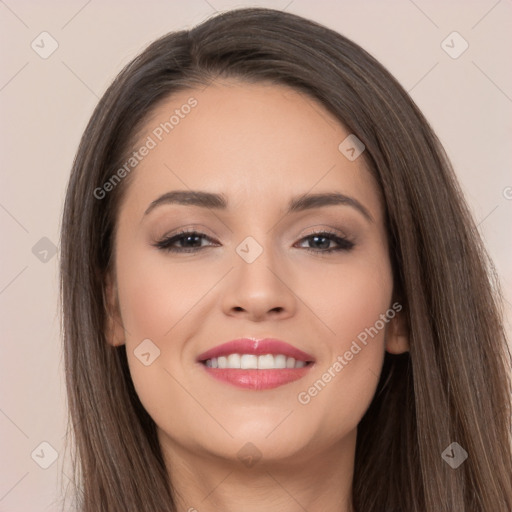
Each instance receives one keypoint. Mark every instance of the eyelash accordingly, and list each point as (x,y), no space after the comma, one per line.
(166,243)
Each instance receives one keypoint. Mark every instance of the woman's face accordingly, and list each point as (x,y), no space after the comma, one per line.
(254,269)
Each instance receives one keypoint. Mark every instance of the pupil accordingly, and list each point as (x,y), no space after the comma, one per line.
(325,239)
(191,237)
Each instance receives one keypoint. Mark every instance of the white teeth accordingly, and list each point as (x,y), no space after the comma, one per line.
(234,361)
(266,362)
(254,362)
(279,361)
(249,362)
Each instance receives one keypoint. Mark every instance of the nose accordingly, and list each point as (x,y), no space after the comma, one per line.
(259,291)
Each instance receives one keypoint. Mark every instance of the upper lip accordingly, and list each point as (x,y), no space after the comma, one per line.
(256,347)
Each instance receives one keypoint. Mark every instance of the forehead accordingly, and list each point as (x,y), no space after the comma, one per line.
(252,142)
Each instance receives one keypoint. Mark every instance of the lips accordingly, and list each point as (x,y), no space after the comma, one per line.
(256,364)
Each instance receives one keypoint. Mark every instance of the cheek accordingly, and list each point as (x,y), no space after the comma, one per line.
(353,303)
(156,296)
(159,302)
(349,297)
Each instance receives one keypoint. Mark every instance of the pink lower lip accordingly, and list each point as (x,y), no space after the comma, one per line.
(258,379)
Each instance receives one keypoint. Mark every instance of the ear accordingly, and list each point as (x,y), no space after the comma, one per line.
(397,334)
(114,325)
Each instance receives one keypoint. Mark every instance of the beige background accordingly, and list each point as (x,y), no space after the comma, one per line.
(45,104)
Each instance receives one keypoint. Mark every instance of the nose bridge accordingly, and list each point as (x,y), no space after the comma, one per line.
(258,281)
(257,260)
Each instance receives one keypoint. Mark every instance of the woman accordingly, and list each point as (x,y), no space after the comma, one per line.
(274,295)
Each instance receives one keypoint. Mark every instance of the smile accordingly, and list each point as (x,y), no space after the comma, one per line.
(256,363)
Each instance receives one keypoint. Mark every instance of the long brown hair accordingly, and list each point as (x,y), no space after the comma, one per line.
(453,385)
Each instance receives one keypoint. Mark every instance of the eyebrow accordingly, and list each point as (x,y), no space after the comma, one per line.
(219,202)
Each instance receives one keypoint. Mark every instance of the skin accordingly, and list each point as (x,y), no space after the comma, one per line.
(259,145)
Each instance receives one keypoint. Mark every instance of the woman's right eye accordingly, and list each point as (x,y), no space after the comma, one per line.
(189,238)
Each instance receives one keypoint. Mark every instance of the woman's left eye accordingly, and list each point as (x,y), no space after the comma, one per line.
(192,242)
(325,238)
